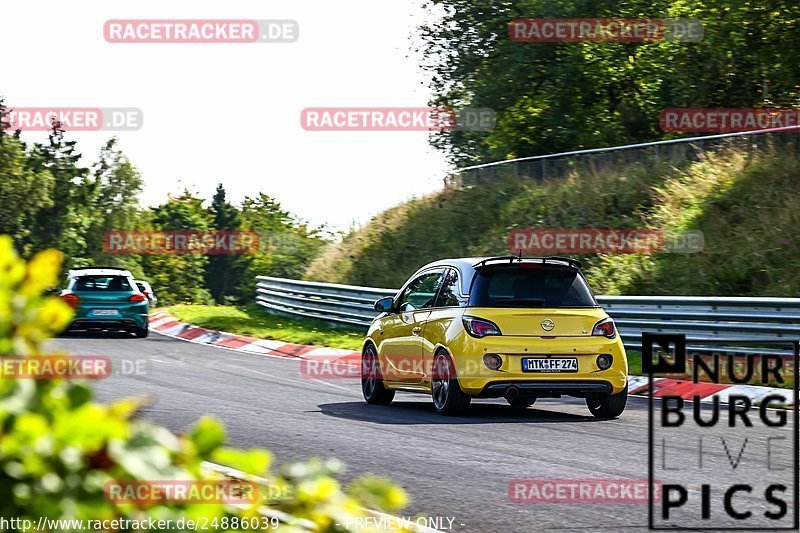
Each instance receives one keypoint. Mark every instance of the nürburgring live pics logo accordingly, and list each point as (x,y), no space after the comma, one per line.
(738,466)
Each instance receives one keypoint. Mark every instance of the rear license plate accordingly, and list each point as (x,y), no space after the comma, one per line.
(104,312)
(550,364)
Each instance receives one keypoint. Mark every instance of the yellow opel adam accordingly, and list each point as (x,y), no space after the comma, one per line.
(517,328)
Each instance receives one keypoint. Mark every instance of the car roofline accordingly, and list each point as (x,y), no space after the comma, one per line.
(515,259)
(467,266)
(95,271)
(101,267)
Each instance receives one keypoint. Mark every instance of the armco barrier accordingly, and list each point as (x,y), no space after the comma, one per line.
(699,317)
(547,167)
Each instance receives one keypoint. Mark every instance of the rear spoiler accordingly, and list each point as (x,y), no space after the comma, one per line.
(101,268)
(512,259)
(76,271)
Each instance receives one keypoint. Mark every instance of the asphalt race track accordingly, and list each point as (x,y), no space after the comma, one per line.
(453,467)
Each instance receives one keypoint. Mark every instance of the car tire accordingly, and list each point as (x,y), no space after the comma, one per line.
(521,402)
(372,379)
(608,405)
(448,398)
(141,333)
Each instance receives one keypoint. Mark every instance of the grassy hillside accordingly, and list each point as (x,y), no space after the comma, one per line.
(747,208)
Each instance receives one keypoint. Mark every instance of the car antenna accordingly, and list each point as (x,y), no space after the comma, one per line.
(520,254)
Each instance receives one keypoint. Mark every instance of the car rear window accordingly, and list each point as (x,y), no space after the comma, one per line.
(101,283)
(530,285)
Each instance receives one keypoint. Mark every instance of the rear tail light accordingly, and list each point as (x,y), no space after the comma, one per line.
(138,297)
(605,328)
(479,327)
(71,300)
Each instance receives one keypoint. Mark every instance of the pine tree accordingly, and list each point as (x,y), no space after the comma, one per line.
(62,225)
(224,272)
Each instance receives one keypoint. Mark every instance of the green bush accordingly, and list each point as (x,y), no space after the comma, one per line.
(59,448)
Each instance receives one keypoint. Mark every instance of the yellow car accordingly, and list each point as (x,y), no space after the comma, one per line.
(517,328)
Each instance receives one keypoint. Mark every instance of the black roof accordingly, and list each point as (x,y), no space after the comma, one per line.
(467,266)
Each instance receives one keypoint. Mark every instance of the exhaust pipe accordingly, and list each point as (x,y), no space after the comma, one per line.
(511,393)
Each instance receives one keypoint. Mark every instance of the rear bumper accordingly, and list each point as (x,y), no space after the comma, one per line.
(477,380)
(126,321)
(129,315)
(546,389)
(94,323)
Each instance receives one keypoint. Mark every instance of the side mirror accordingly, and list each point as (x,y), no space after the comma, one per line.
(155,292)
(384,305)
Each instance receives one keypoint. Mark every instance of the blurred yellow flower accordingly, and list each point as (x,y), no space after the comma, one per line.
(54,315)
(12,268)
(43,272)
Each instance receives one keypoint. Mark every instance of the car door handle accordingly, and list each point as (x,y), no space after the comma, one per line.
(415,330)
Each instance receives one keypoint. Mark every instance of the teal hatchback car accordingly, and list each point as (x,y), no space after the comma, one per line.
(106,299)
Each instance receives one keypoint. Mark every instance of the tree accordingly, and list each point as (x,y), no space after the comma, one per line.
(287,244)
(553,97)
(179,278)
(64,223)
(224,271)
(24,193)
(113,203)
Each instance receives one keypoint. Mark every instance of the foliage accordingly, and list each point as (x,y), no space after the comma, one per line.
(29,191)
(179,278)
(112,204)
(287,245)
(553,97)
(224,272)
(746,208)
(64,221)
(49,199)
(58,447)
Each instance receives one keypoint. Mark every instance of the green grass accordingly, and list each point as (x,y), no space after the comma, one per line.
(634,362)
(253,321)
(747,206)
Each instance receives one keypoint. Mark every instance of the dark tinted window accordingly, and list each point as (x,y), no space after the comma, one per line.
(449,297)
(101,283)
(530,286)
(421,292)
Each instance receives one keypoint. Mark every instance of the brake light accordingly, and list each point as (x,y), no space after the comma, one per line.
(71,300)
(605,328)
(479,327)
(138,297)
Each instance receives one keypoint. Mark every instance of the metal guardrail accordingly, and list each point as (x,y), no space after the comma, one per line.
(702,318)
(674,151)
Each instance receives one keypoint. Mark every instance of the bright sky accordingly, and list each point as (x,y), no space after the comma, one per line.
(231,112)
